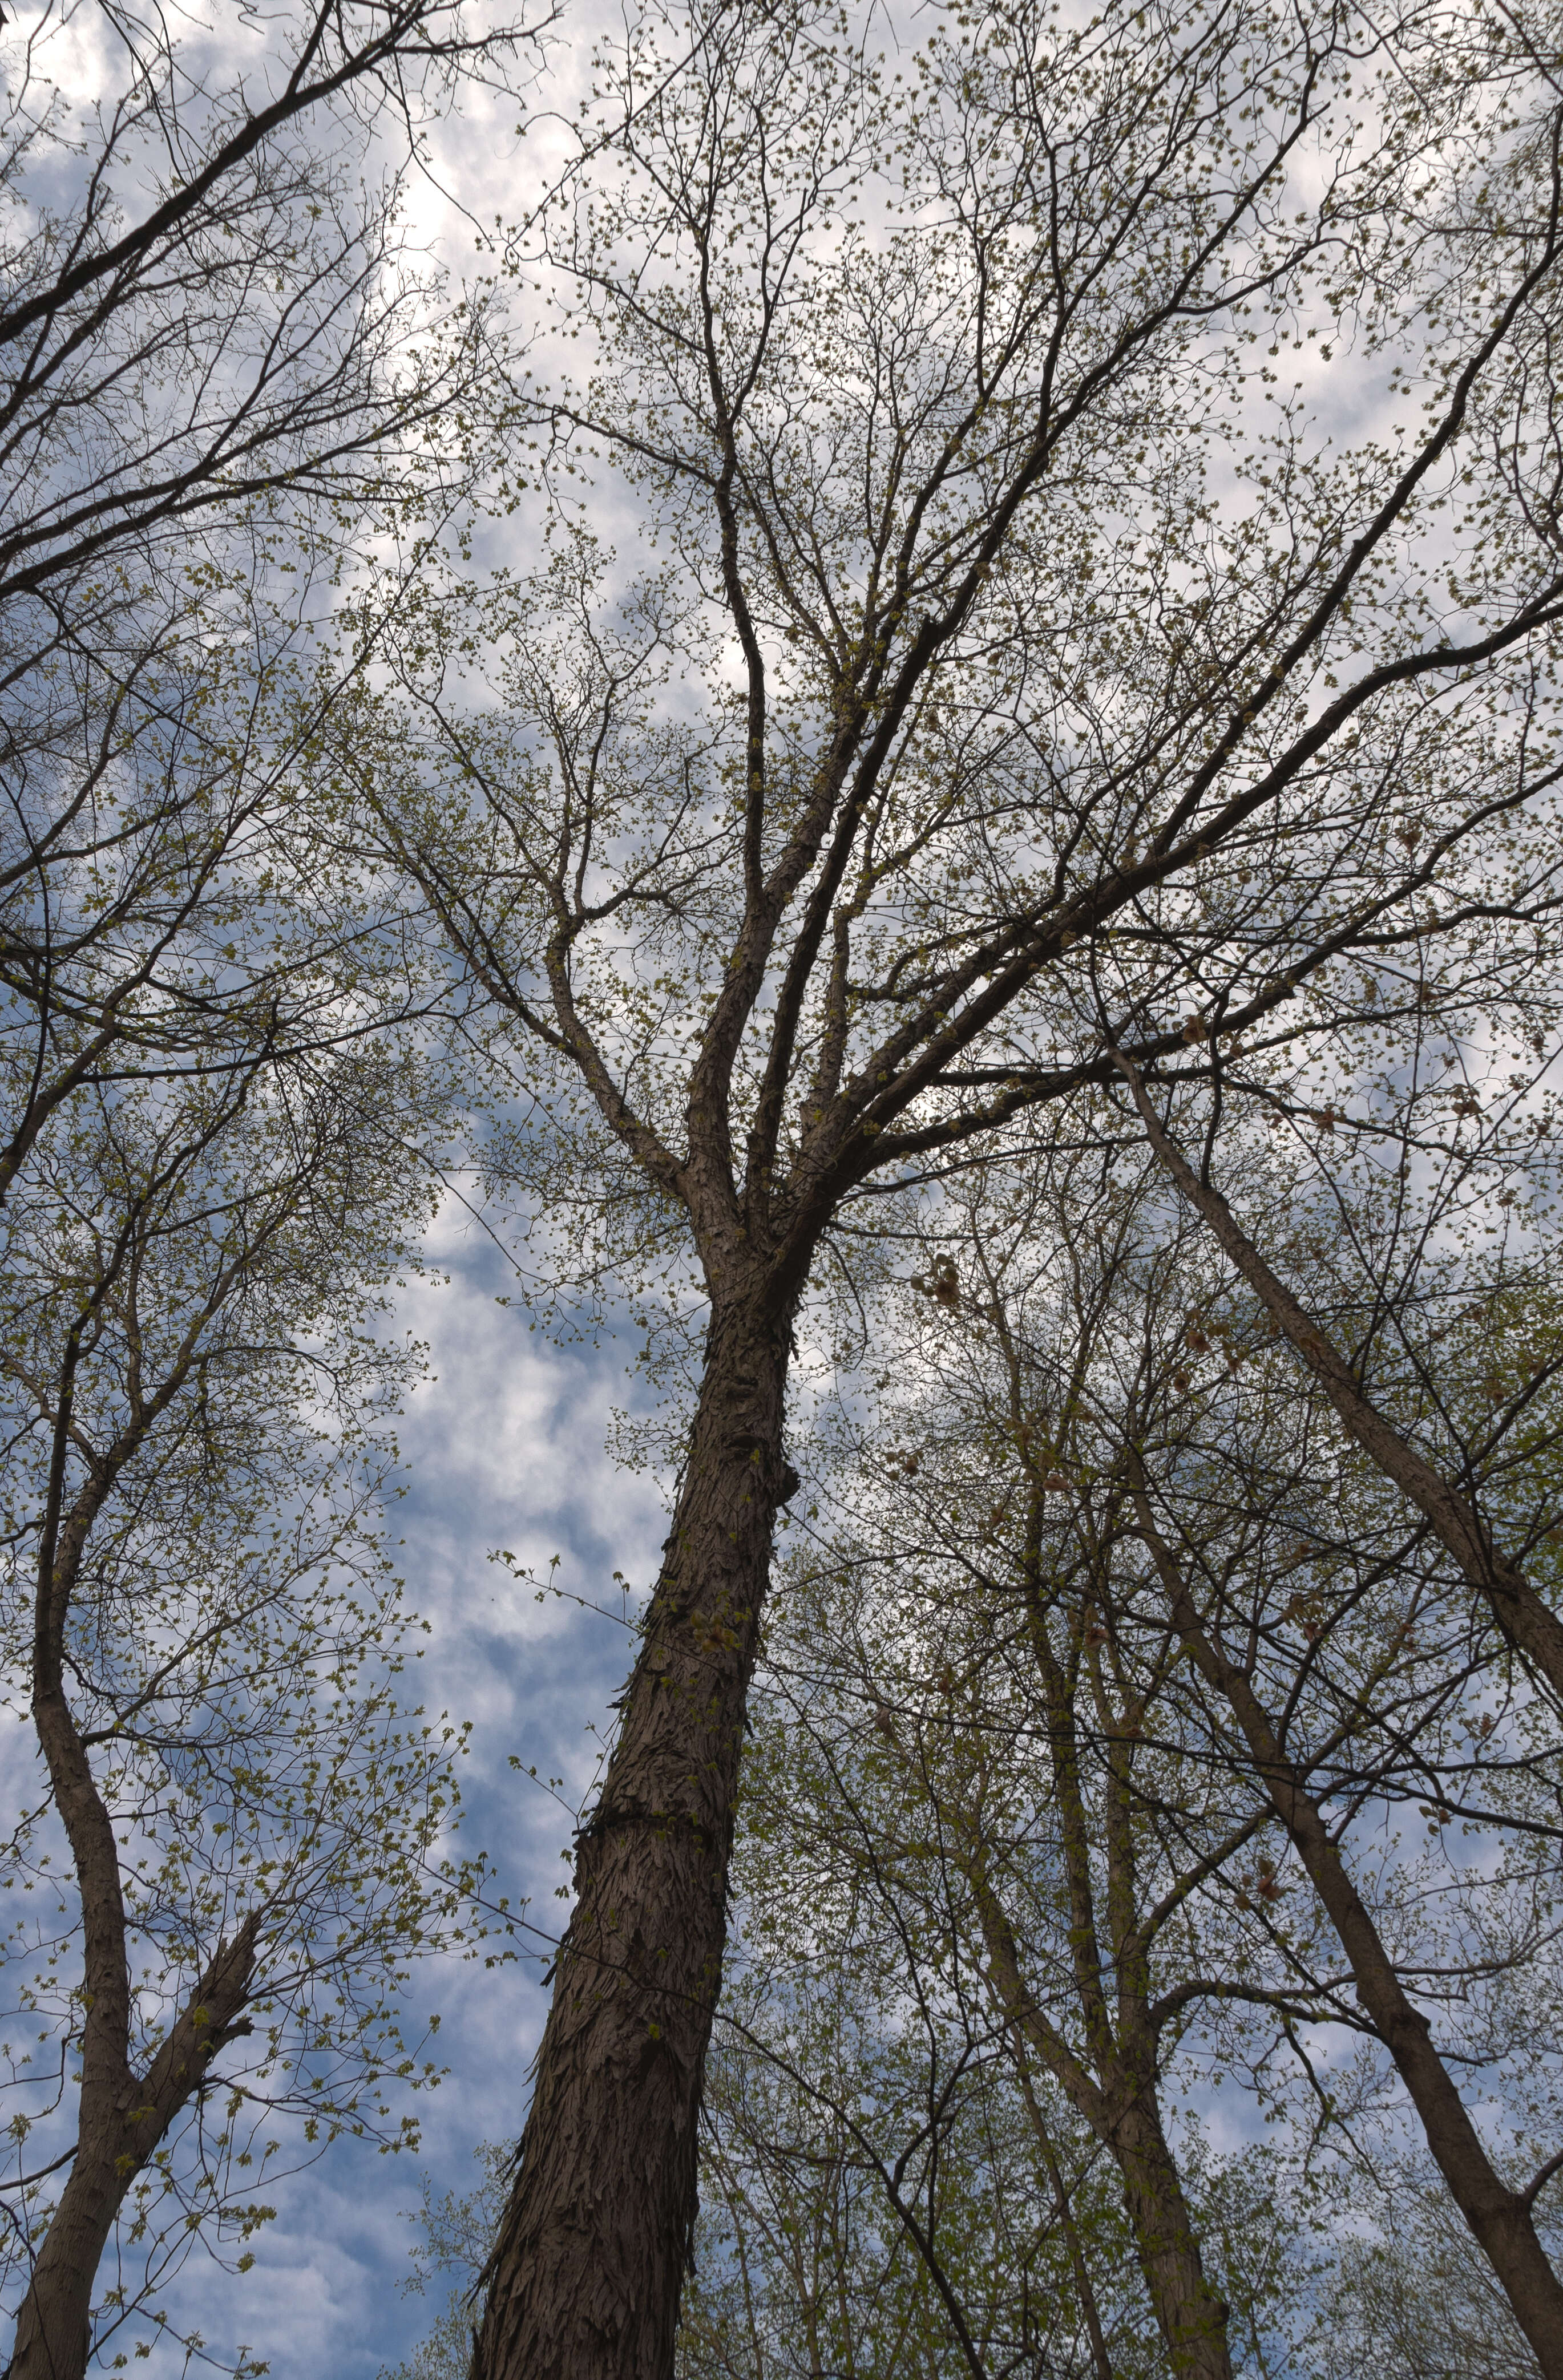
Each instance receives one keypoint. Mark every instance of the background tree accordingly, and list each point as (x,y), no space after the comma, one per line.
(224,355)
(239,1835)
(1392,1696)
(458,2238)
(207,303)
(1003,1759)
(873,2194)
(958,707)
(1414,2300)
(1040,1817)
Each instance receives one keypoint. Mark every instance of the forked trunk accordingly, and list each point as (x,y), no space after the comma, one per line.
(123,2118)
(123,2115)
(1119,2104)
(585,2278)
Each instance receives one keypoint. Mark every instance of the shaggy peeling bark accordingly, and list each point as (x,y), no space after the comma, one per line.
(590,2259)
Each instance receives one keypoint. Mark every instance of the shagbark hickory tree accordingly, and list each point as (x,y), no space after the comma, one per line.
(1088,475)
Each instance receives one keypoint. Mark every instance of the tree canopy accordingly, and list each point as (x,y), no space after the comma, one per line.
(921,723)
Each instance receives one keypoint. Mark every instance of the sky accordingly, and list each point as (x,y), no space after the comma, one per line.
(506,1447)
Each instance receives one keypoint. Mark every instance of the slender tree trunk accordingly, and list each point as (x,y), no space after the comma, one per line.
(585,2278)
(1519,1612)
(1125,2117)
(124,2115)
(1500,2218)
(1089,2311)
(1191,2316)
(1124,2107)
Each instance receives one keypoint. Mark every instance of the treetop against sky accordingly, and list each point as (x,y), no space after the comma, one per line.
(934,593)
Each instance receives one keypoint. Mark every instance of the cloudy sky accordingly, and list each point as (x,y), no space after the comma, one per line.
(506,1447)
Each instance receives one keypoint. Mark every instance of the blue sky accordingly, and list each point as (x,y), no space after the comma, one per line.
(506,1447)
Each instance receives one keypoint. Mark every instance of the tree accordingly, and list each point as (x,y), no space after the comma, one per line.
(1384,1700)
(1016,1778)
(228,364)
(205,306)
(223,356)
(457,2240)
(1448,1506)
(241,1837)
(955,705)
(989,1732)
(1414,2301)
(873,2196)
(867,2198)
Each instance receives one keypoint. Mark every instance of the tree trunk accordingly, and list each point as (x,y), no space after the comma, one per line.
(1124,2108)
(122,2116)
(585,2278)
(1191,2317)
(1126,2119)
(117,2134)
(1500,2219)
(53,2327)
